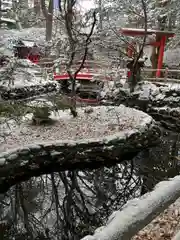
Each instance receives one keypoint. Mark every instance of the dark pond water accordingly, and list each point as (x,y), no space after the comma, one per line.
(160,162)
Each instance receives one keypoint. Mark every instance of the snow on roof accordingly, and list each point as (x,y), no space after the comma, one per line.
(28,43)
(8,38)
(6,52)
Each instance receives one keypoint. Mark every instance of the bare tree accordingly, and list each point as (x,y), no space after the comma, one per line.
(48,14)
(37,7)
(136,65)
(76,41)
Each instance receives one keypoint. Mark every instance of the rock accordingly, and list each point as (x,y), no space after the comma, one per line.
(88,110)
(177,213)
(2,161)
(162,103)
(27,92)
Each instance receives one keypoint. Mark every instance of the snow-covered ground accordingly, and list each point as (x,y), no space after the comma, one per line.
(25,74)
(8,37)
(97,122)
(172,57)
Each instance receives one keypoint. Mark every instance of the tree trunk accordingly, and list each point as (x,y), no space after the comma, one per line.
(48,14)
(100,15)
(49,27)
(37,7)
(0,12)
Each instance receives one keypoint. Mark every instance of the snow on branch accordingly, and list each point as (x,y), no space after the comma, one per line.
(137,213)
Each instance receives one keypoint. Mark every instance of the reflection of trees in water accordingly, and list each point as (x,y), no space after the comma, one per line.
(70,205)
(159,163)
(67,204)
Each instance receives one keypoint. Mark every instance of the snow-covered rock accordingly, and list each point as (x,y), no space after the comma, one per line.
(172,57)
(22,79)
(9,37)
(161,102)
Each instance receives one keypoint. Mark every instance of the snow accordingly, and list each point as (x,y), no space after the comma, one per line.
(142,30)
(38,103)
(2,161)
(8,20)
(28,43)
(20,82)
(29,34)
(25,74)
(145,93)
(172,57)
(137,213)
(8,38)
(102,123)
(151,91)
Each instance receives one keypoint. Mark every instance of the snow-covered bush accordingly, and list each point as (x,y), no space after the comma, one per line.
(41,115)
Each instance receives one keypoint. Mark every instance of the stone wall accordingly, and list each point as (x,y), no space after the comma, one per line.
(15,93)
(42,158)
(161,102)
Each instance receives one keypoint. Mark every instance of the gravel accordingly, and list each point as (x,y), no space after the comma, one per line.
(91,122)
(164,227)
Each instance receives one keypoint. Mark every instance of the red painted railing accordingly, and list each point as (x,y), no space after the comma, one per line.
(60,77)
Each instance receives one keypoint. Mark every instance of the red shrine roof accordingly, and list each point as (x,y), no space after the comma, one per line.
(141,32)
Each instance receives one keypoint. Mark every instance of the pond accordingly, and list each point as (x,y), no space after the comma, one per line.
(160,162)
(72,204)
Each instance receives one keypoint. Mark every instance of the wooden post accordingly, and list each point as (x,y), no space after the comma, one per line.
(131,49)
(161,54)
(166,74)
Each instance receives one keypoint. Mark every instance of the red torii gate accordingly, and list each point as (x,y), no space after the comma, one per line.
(162,36)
